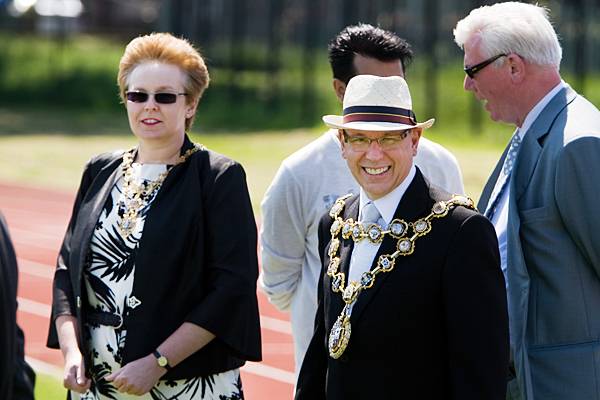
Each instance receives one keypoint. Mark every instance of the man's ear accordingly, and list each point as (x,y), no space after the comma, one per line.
(340,89)
(415,136)
(517,68)
(343,144)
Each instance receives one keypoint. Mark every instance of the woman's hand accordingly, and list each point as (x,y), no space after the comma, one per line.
(74,376)
(138,377)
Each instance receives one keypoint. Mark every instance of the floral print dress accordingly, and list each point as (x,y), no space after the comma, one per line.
(109,282)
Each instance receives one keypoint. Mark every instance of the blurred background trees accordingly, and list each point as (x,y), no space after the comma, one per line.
(267,58)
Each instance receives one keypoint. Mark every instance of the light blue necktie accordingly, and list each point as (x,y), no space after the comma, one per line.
(369,214)
(364,251)
(504,176)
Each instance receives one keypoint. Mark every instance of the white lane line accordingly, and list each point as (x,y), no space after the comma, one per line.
(34,307)
(45,368)
(267,371)
(34,244)
(36,269)
(277,325)
(40,240)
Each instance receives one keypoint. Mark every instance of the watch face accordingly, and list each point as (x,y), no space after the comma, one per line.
(162,361)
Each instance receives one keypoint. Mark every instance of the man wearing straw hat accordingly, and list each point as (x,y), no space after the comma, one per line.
(308,182)
(411,296)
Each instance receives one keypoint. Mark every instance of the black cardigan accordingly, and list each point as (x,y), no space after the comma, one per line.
(196,262)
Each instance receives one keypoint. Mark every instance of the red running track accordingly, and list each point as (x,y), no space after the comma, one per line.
(37,219)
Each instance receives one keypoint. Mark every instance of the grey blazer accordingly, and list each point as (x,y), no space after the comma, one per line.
(553,253)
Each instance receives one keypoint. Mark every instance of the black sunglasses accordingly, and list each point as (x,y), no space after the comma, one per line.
(161,98)
(471,71)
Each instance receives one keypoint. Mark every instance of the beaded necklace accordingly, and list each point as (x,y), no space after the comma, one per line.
(398,229)
(136,196)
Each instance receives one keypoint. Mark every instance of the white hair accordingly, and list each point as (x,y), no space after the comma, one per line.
(512,27)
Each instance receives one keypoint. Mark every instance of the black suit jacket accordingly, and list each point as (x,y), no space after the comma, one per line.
(434,328)
(196,262)
(16,376)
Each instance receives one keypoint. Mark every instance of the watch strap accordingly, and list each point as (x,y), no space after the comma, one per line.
(161,360)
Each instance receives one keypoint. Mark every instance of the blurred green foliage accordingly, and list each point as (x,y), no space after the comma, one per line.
(42,72)
(78,75)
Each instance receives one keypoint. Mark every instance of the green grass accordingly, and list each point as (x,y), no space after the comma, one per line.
(57,160)
(46,157)
(49,388)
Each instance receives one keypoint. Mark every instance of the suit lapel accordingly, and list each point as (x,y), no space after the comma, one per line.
(531,147)
(415,204)
(90,212)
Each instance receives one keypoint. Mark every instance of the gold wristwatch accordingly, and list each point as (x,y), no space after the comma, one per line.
(161,360)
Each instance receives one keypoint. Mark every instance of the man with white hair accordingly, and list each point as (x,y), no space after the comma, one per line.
(541,199)
(412,302)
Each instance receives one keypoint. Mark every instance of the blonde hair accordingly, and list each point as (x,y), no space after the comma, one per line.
(165,48)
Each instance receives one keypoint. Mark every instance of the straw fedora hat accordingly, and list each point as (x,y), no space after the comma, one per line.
(375,103)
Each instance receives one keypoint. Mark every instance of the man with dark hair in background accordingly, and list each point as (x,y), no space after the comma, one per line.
(310,180)
(16,376)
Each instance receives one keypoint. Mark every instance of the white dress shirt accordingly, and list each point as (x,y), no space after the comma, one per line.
(386,206)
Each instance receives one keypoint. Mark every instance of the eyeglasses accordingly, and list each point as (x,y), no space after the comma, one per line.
(387,142)
(471,71)
(161,98)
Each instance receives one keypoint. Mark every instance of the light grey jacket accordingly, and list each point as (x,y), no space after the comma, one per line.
(553,253)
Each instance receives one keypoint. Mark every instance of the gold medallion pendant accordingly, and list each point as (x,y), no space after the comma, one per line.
(340,335)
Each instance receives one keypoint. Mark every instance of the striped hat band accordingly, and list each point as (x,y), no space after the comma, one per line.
(379,114)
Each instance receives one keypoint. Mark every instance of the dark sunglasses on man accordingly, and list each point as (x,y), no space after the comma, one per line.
(161,97)
(471,71)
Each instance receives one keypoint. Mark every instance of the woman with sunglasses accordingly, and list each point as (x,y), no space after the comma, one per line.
(155,287)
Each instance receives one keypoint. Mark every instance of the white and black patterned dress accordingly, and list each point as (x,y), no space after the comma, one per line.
(109,282)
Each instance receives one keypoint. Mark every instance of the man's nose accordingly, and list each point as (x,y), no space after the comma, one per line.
(374,152)
(468,83)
